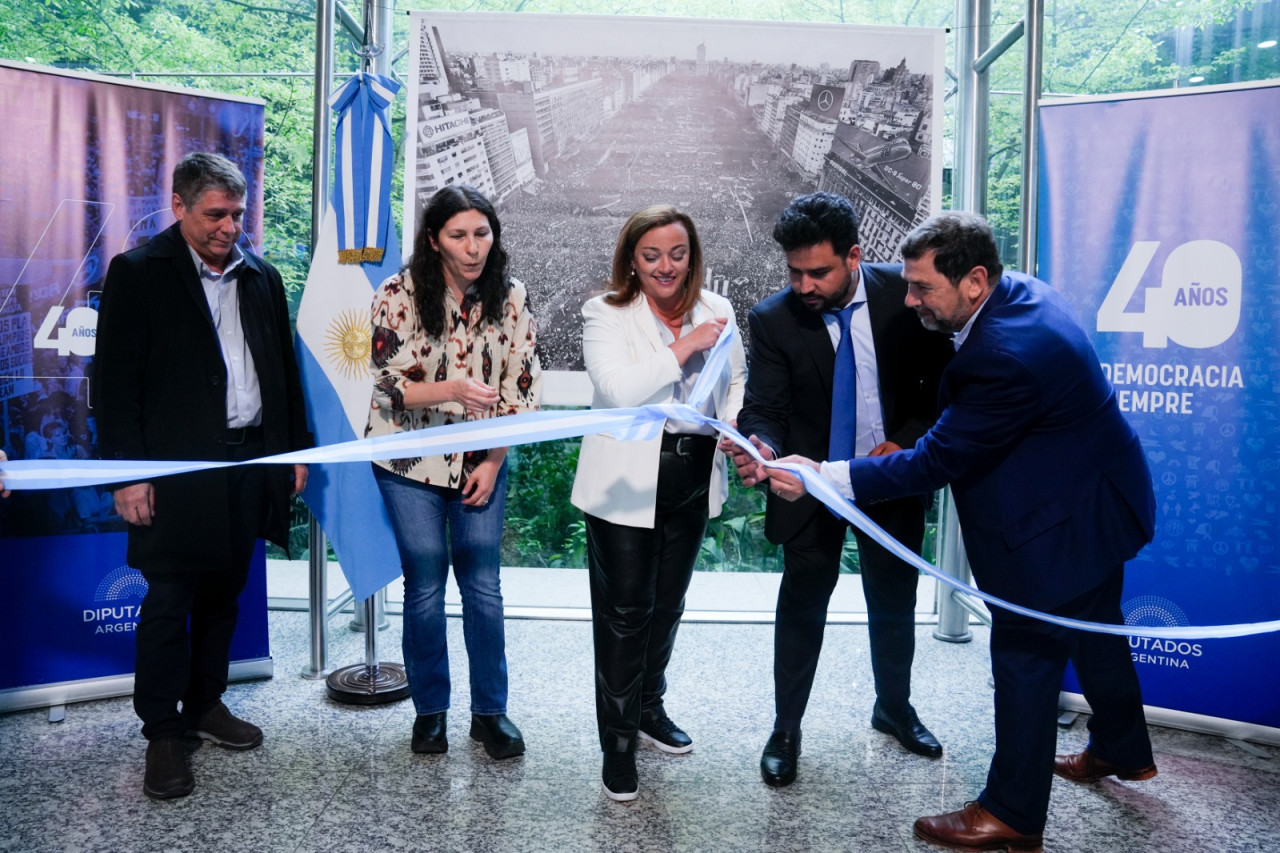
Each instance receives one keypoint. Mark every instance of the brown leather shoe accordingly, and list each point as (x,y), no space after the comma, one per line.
(975,828)
(1084,767)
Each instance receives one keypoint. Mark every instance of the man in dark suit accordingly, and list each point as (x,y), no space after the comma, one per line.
(888,384)
(1053,493)
(195,361)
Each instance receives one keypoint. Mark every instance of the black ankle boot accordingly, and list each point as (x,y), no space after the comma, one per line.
(429,734)
(499,735)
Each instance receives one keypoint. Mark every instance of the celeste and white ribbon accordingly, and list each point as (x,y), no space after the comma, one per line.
(532,427)
(526,428)
(833,500)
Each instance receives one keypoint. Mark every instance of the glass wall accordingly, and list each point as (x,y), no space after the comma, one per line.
(1095,48)
(266,51)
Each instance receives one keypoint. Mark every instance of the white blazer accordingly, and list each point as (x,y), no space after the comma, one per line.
(629,365)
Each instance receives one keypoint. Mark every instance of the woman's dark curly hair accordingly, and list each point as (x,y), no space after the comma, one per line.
(427,271)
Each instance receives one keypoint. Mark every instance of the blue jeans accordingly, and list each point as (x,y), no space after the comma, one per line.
(420,515)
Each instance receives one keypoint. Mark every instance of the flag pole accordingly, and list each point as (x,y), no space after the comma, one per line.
(373,682)
(317,544)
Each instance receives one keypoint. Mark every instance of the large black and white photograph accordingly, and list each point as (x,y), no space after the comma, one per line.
(572,123)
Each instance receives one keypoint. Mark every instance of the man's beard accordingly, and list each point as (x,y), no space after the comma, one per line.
(835,302)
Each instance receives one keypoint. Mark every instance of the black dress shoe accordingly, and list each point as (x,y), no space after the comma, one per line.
(621,783)
(429,734)
(168,774)
(908,730)
(499,735)
(781,753)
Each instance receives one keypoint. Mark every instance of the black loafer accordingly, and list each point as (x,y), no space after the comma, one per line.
(908,730)
(429,734)
(781,754)
(168,775)
(499,735)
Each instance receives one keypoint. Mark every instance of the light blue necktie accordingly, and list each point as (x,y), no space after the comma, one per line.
(844,389)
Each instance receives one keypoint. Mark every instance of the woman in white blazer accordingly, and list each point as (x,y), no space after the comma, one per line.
(647,502)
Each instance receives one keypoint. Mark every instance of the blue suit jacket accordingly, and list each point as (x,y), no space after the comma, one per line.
(1050,481)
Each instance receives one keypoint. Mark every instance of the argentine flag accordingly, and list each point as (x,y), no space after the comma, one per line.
(334,331)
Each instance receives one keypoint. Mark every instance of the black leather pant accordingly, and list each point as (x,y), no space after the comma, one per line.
(639,577)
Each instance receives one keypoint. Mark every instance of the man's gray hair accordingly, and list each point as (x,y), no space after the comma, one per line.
(200,171)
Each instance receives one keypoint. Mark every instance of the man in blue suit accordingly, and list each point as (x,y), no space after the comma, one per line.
(1053,494)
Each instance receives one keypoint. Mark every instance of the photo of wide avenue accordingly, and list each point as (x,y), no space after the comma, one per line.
(569,147)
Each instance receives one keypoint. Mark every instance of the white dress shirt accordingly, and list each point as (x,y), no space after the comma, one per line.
(244,397)
(836,472)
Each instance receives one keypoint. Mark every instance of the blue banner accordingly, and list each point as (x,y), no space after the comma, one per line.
(76,619)
(1158,221)
(85,174)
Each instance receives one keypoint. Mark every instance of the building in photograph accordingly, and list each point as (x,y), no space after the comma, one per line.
(814,135)
(451,150)
(523,154)
(885,179)
(555,117)
(496,137)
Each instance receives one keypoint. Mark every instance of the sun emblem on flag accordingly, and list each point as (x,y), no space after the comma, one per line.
(347,343)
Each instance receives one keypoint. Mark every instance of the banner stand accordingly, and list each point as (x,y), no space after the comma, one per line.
(109,687)
(1233,730)
(88,177)
(1157,223)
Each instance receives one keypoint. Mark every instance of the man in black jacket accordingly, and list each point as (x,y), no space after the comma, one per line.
(195,361)
(795,384)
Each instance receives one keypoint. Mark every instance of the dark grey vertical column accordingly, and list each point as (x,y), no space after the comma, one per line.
(1033,76)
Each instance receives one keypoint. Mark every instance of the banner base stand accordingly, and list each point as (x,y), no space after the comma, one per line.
(1232,730)
(109,687)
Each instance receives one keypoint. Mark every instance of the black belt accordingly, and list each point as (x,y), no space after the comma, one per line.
(240,435)
(687,444)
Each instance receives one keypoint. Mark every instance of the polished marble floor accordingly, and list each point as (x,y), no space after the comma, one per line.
(334,777)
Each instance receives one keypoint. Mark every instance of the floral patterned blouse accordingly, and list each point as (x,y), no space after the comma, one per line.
(501,356)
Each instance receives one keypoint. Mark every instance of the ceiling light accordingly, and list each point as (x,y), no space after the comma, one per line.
(1267,43)
(1195,79)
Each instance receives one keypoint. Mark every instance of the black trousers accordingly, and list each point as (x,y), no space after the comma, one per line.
(639,577)
(1028,660)
(811,567)
(188,618)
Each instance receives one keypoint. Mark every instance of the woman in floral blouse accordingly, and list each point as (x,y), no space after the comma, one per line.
(453,341)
